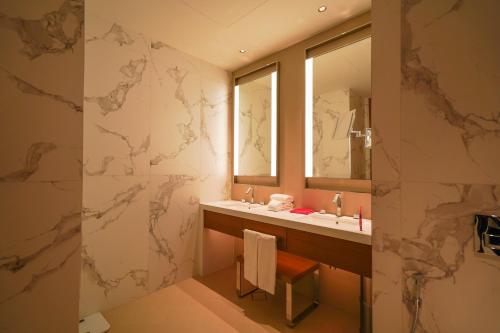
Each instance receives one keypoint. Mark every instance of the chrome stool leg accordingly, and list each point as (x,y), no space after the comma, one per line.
(289,304)
(292,319)
(316,286)
(239,281)
(365,305)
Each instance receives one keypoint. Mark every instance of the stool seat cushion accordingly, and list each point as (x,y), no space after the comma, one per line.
(291,268)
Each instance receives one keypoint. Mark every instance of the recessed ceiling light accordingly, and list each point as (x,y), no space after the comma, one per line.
(322,9)
(243,51)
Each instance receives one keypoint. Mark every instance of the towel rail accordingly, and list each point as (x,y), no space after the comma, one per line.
(279,239)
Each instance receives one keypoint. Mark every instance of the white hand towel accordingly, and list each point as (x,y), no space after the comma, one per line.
(266,263)
(277,206)
(250,255)
(282,197)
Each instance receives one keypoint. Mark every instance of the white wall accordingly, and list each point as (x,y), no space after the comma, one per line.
(435,118)
(41,120)
(155,144)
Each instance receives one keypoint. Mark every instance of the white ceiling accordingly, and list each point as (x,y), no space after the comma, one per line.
(215,30)
(345,68)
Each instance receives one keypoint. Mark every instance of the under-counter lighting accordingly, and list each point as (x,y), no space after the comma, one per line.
(309,118)
(236,128)
(243,51)
(322,9)
(274,119)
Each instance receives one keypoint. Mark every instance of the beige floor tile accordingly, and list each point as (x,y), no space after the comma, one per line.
(210,304)
(270,313)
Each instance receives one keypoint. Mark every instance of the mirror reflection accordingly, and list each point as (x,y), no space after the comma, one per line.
(340,111)
(255,124)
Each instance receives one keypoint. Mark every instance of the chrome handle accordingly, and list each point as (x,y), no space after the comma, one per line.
(367,136)
(488,241)
(487,234)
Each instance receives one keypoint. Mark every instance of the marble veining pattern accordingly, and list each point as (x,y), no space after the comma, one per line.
(472,119)
(33,156)
(441,142)
(181,79)
(336,154)
(151,113)
(159,205)
(56,32)
(255,128)
(20,255)
(437,240)
(116,34)
(33,258)
(113,209)
(40,174)
(132,151)
(27,88)
(114,100)
(140,276)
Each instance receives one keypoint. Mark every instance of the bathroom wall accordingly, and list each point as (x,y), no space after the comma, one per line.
(255,128)
(155,144)
(436,75)
(41,99)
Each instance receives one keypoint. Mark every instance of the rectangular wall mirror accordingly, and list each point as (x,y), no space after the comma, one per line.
(338,113)
(255,127)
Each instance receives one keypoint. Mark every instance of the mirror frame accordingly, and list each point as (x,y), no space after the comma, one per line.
(257,180)
(335,184)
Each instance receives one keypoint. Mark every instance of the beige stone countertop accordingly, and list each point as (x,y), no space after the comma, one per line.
(344,227)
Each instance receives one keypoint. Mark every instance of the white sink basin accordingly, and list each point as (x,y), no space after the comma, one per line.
(238,204)
(343,221)
(333,218)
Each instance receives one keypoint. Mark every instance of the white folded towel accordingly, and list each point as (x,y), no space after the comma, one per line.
(266,262)
(282,197)
(277,206)
(250,255)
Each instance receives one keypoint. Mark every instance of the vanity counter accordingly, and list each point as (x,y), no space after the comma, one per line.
(345,228)
(318,237)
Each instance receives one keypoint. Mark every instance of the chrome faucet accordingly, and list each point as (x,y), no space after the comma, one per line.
(337,200)
(251,191)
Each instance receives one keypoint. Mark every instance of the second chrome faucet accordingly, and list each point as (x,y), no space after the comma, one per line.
(337,200)
(251,191)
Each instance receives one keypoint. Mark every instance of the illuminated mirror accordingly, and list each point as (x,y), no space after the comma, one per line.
(338,109)
(255,126)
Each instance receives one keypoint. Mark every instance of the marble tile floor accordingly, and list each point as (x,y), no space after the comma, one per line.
(210,304)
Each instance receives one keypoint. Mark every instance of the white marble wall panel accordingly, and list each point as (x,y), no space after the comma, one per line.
(255,127)
(39,255)
(386,81)
(443,117)
(214,169)
(330,148)
(386,259)
(175,117)
(156,141)
(45,153)
(41,97)
(117,102)
(114,258)
(459,287)
(386,186)
(450,75)
(336,153)
(173,218)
